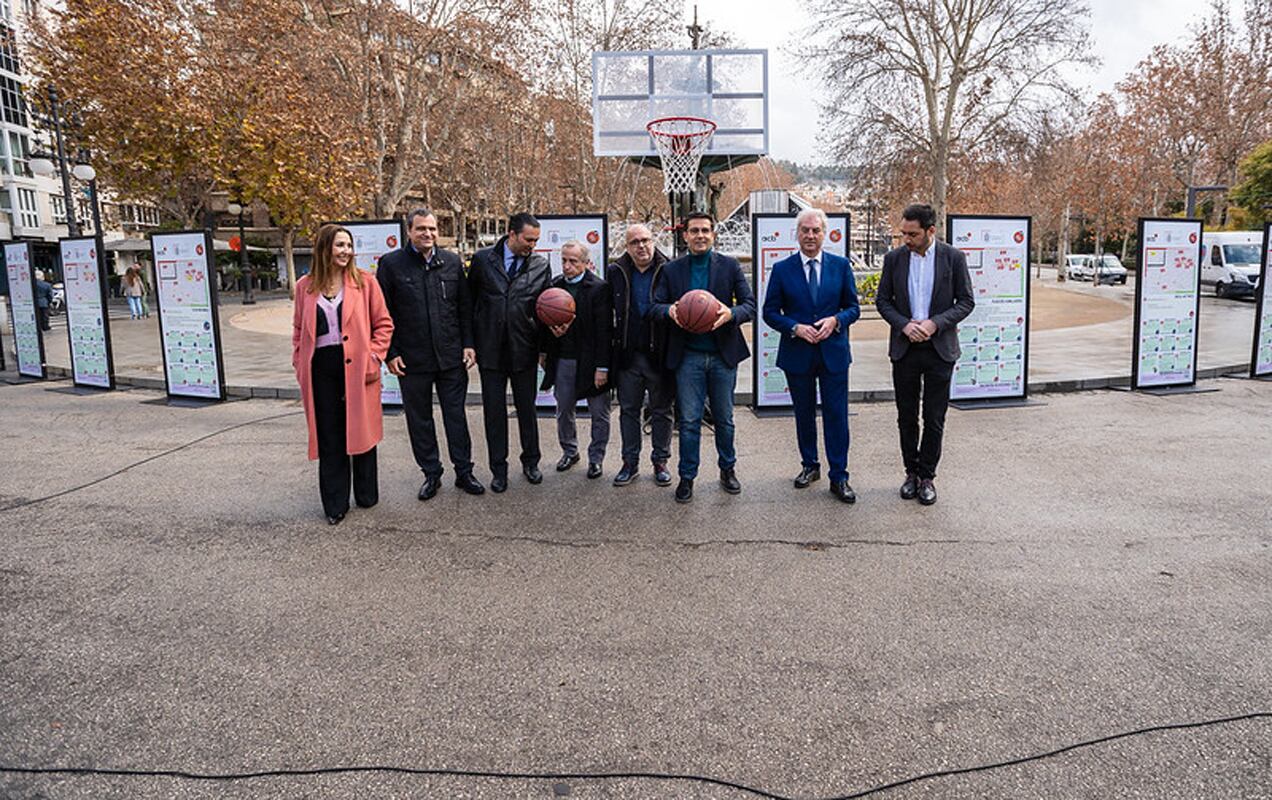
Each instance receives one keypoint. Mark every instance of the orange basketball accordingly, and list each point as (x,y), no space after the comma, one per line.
(554,307)
(696,311)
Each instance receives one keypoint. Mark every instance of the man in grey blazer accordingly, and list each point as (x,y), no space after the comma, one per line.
(924,292)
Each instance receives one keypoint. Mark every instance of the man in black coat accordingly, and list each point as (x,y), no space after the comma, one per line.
(924,291)
(578,358)
(640,354)
(427,296)
(43,299)
(505,281)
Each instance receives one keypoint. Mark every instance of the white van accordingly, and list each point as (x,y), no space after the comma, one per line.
(1231,261)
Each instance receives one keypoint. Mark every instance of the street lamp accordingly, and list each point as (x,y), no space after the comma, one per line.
(45,166)
(85,172)
(248,298)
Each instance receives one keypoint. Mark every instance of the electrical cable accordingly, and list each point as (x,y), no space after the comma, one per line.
(147,460)
(660,776)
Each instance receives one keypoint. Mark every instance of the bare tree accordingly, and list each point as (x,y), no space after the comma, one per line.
(938,79)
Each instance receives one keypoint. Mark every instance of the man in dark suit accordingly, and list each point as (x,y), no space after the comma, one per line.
(505,281)
(706,364)
(427,296)
(924,292)
(578,358)
(811,301)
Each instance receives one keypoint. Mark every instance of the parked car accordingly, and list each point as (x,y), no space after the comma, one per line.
(1081,267)
(1077,267)
(1231,262)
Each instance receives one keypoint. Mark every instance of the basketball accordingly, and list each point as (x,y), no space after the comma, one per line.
(696,311)
(554,307)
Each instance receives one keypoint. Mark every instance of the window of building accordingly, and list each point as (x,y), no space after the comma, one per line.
(59,208)
(28,210)
(9,50)
(11,102)
(6,10)
(17,155)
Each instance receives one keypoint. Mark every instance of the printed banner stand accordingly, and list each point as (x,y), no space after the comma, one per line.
(372,240)
(189,322)
(1261,355)
(28,339)
(87,315)
(554,231)
(773,239)
(1167,306)
(993,370)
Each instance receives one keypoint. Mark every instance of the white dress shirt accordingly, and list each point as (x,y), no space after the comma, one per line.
(921,279)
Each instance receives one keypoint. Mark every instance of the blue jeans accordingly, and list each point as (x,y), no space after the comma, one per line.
(701,376)
(134,306)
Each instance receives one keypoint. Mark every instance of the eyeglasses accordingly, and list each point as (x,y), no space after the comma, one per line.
(640,242)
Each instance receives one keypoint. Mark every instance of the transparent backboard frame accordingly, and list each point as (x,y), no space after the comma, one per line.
(631,88)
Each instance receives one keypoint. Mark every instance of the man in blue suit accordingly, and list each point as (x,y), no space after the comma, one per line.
(706,364)
(811,301)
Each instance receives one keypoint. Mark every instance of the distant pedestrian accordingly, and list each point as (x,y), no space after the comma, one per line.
(341,331)
(135,290)
(43,299)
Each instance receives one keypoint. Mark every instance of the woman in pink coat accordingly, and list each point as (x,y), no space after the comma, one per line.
(340,334)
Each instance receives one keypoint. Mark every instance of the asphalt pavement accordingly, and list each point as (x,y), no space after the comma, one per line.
(171,598)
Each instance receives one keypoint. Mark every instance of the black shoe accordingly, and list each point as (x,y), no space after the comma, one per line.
(532,473)
(566,462)
(469,484)
(429,487)
(662,476)
(843,491)
(626,475)
(499,483)
(729,480)
(594,471)
(910,489)
(334,519)
(927,492)
(806,476)
(684,491)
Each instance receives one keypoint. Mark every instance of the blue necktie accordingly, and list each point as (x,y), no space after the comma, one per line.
(812,278)
(512,268)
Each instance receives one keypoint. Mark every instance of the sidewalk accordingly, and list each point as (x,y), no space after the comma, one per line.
(1080,337)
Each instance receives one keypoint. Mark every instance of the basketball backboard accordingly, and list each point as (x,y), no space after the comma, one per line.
(632,88)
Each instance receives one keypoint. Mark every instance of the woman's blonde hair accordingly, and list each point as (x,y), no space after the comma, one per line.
(324,268)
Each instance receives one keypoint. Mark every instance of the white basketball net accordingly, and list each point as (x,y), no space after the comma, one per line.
(680,142)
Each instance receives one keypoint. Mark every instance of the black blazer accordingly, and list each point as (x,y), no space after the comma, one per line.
(619,277)
(727,282)
(449,315)
(593,329)
(505,329)
(952,299)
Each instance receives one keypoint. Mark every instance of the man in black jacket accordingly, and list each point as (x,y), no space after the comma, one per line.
(505,281)
(640,350)
(578,358)
(924,292)
(427,296)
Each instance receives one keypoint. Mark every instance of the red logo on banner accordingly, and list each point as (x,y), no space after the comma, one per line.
(1019,237)
(391,241)
(235,243)
(836,235)
(593,237)
(198,248)
(1192,238)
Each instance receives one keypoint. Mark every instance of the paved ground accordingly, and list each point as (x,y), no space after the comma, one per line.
(1078,332)
(1096,564)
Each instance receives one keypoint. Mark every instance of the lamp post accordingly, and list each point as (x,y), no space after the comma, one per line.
(45,167)
(248,297)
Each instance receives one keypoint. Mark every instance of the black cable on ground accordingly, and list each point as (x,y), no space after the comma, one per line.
(593,776)
(146,460)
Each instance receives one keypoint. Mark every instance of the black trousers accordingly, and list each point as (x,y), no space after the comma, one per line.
(641,376)
(42,316)
(417,400)
(336,468)
(921,378)
(494,409)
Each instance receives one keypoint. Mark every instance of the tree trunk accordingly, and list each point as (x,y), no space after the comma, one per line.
(1062,246)
(289,255)
(940,187)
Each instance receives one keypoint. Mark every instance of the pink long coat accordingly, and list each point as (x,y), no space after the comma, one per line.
(366,328)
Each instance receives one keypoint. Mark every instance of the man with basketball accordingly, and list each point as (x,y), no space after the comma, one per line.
(432,347)
(506,279)
(705,345)
(924,292)
(578,358)
(640,352)
(811,301)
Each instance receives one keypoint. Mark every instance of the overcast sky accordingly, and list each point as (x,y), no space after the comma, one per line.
(1123,32)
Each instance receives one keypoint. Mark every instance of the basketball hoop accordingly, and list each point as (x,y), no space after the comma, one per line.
(680,142)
